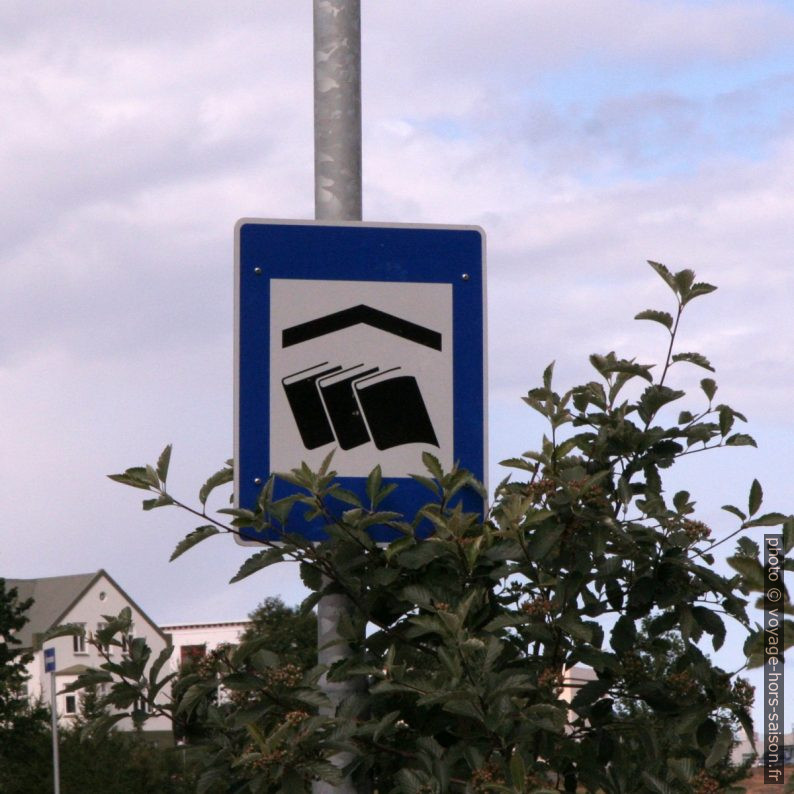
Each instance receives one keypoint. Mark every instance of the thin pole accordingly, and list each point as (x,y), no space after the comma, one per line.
(56,766)
(337,110)
(337,197)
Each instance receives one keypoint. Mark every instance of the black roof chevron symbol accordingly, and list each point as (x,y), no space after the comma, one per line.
(360,314)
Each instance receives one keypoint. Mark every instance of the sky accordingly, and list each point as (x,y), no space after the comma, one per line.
(585,138)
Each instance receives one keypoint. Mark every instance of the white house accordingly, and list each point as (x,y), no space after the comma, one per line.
(192,641)
(83,599)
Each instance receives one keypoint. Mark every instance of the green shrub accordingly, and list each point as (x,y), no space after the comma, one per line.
(462,639)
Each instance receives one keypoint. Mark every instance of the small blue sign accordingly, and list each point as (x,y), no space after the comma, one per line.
(363,339)
(49,660)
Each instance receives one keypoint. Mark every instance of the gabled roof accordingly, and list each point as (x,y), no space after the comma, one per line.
(54,597)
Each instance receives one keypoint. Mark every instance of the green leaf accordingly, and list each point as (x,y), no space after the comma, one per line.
(151,477)
(684,280)
(788,534)
(162,463)
(256,562)
(735,511)
(624,635)
(419,555)
(64,630)
(747,547)
(698,289)
(706,733)
(518,771)
(726,416)
(519,463)
(632,369)
(664,318)
(433,465)
(326,462)
(344,495)
(157,666)
(589,693)
(755,498)
(399,545)
(766,520)
(751,571)
(665,274)
(134,477)
(219,478)
(373,485)
(721,747)
(624,490)
(311,576)
(241,682)
(547,376)
(740,440)
(99,728)
(195,694)
(683,768)
(654,397)
(161,501)
(681,502)
(385,724)
(431,485)
(410,782)
(546,716)
(709,387)
(662,623)
(91,678)
(208,780)
(570,624)
(694,358)
(753,649)
(193,538)
(543,541)
(711,623)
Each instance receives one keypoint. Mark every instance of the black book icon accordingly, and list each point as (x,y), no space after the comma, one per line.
(342,407)
(307,406)
(394,409)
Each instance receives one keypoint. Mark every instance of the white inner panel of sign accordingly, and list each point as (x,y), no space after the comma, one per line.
(374,388)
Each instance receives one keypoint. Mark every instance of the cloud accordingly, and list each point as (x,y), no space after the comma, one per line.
(517,43)
(584,142)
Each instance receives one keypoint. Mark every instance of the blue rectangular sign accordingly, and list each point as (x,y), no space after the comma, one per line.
(49,660)
(366,339)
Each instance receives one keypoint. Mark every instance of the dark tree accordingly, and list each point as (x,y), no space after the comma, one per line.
(24,732)
(12,660)
(290,634)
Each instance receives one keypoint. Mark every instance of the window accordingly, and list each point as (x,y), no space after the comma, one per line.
(139,706)
(78,640)
(190,654)
(71,704)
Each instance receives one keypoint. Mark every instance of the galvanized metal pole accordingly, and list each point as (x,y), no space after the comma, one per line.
(56,766)
(337,110)
(337,197)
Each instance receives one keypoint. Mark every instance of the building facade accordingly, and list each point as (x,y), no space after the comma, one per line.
(86,600)
(193,641)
